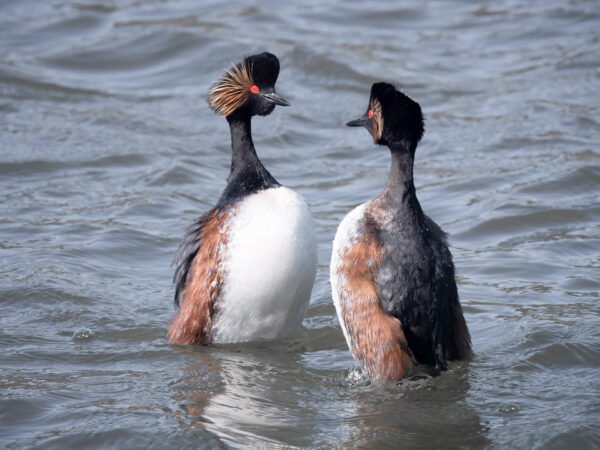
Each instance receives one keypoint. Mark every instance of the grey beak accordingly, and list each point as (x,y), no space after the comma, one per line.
(363,121)
(273,97)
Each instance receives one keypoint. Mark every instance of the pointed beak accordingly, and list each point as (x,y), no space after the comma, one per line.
(273,97)
(363,121)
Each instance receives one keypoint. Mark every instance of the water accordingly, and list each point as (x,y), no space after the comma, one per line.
(108,151)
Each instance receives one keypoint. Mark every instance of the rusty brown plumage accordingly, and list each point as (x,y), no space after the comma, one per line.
(377,338)
(377,120)
(193,323)
(231,90)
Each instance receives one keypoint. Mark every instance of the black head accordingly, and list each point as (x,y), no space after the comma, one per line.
(248,88)
(392,117)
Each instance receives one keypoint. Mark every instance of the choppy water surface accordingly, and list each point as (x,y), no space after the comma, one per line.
(108,151)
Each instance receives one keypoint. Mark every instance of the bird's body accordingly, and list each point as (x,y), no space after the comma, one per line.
(246,268)
(269,265)
(392,273)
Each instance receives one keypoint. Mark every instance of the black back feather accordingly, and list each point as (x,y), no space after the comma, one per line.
(187,251)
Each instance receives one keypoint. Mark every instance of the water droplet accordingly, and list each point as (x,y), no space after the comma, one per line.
(509,409)
(83,335)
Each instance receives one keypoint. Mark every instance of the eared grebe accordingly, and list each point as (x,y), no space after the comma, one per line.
(246,268)
(392,275)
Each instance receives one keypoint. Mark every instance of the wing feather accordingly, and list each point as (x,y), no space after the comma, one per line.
(199,277)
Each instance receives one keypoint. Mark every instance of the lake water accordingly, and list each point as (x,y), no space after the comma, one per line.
(108,151)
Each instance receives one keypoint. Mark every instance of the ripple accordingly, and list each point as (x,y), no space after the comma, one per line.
(532,221)
(134,54)
(27,86)
(109,151)
(37,167)
(578,182)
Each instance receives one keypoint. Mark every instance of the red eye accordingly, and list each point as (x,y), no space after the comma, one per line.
(254,89)
(370,114)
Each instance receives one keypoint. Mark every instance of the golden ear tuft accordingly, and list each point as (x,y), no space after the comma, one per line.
(231,90)
(377,120)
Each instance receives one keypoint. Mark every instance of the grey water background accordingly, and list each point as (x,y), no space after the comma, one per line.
(108,151)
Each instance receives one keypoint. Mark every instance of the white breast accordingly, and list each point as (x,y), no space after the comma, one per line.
(347,232)
(270,263)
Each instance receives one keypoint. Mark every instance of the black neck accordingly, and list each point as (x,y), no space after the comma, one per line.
(247,173)
(243,154)
(399,192)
